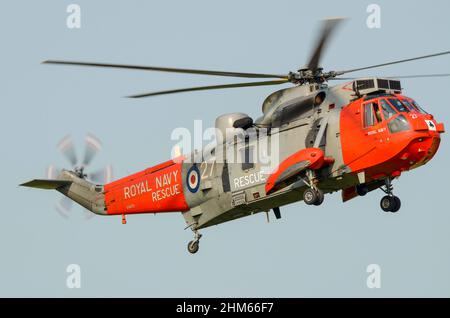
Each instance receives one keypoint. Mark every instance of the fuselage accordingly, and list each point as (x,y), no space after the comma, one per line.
(366,139)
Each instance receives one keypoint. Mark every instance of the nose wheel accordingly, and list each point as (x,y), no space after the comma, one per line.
(194,245)
(389,203)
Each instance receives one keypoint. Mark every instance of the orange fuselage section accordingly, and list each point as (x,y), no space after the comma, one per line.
(386,135)
(157,189)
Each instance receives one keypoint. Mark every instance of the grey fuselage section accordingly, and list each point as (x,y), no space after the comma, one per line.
(231,189)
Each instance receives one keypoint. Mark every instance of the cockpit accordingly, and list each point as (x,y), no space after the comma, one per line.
(392,109)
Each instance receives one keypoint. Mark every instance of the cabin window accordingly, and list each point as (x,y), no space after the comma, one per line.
(372,114)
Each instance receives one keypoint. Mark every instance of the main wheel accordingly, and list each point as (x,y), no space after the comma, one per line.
(310,196)
(388,203)
(397,206)
(193,247)
(320,197)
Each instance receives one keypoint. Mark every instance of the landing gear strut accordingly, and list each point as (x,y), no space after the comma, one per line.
(193,245)
(389,203)
(313,195)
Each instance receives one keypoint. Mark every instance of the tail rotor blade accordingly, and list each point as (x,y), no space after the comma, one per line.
(109,174)
(88,214)
(93,145)
(64,206)
(66,147)
(101,176)
(98,176)
(52,172)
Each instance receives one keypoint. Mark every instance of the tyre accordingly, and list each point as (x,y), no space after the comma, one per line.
(387,203)
(193,247)
(310,196)
(397,204)
(320,197)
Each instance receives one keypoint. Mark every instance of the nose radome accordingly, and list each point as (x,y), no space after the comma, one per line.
(422,150)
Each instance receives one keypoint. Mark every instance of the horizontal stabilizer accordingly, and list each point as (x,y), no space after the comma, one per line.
(46,184)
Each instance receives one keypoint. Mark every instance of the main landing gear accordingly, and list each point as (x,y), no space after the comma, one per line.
(193,245)
(312,195)
(389,203)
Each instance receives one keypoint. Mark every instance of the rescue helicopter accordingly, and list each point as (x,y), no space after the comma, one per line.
(354,137)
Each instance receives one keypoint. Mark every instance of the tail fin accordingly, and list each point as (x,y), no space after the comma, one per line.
(88,195)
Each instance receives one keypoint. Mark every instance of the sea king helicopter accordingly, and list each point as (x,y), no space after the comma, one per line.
(354,137)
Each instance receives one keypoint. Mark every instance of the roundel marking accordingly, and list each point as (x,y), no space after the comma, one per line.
(193,179)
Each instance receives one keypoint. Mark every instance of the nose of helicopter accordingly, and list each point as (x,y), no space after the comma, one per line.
(425,144)
(421,150)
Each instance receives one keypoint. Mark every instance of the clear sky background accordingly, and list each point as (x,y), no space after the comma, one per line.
(311,251)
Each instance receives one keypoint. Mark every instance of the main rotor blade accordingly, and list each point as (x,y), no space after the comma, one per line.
(420,76)
(328,26)
(393,77)
(204,88)
(166,69)
(394,62)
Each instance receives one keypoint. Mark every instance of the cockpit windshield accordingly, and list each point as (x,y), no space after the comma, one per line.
(388,111)
(414,105)
(398,105)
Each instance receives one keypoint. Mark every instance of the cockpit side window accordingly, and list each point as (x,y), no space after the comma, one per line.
(370,117)
(388,111)
(377,111)
(398,105)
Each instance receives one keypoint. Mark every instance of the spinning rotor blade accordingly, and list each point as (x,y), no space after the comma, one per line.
(97,176)
(203,88)
(65,146)
(101,176)
(64,206)
(394,77)
(93,145)
(421,76)
(166,69)
(394,62)
(328,26)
